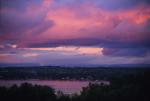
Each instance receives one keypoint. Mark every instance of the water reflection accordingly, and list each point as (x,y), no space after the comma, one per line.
(67,87)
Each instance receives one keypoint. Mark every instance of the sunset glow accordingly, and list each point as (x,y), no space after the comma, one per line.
(74,32)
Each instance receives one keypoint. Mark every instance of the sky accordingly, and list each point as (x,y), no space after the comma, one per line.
(75,32)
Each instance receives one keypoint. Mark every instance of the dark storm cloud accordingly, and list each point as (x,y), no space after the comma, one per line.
(120,4)
(126,52)
(92,42)
(19,5)
(15,23)
(105,4)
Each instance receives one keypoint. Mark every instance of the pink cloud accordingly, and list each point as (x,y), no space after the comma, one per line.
(40,24)
(72,23)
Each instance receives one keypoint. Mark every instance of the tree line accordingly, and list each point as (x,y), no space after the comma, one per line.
(64,73)
(127,88)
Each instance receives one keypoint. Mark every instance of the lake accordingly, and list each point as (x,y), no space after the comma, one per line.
(67,87)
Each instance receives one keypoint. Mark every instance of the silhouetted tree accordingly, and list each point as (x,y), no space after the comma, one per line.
(28,92)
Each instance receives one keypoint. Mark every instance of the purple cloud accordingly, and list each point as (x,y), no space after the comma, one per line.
(125,52)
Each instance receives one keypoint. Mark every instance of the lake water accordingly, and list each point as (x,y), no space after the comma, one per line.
(67,87)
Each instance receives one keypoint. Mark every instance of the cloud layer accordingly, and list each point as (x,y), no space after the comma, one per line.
(119,27)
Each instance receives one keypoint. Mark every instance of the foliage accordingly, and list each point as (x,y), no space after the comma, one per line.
(64,73)
(125,88)
(27,92)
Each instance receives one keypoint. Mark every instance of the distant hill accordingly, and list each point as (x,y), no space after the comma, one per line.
(67,73)
(18,64)
(74,66)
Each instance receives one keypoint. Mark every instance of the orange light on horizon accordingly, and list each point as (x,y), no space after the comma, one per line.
(71,49)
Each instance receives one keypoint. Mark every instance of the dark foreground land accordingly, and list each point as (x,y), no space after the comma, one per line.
(127,84)
(64,73)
